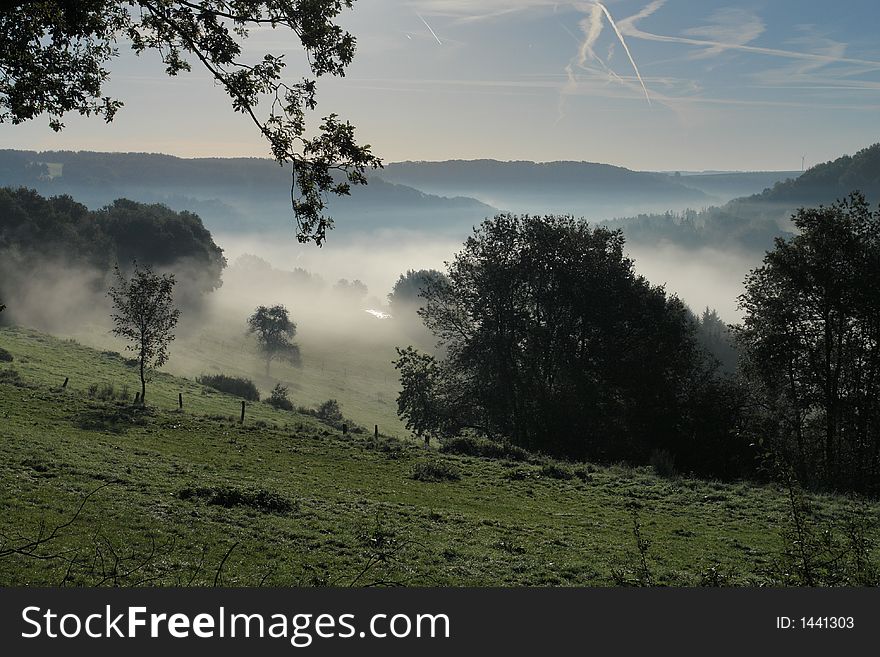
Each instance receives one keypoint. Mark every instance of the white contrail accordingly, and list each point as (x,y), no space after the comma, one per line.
(625,47)
(433,33)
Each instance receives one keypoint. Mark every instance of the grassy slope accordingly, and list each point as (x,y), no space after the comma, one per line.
(353,499)
(359,374)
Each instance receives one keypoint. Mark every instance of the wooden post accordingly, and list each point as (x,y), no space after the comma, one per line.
(242,412)
(66,379)
(376,432)
(180,400)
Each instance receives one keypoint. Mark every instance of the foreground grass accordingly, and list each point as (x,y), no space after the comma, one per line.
(284,500)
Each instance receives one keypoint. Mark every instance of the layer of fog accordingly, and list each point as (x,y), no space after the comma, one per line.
(701,278)
(62,299)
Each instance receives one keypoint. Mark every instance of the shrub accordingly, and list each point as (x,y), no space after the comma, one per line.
(5,356)
(230,496)
(435,471)
(483,447)
(111,417)
(517,475)
(330,412)
(11,376)
(583,474)
(279,398)
(103,391)
(555,471)
(820,551)
(663,463)
(232,385)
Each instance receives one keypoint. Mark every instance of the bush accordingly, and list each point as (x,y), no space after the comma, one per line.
(663,463)
(279,398)
(330,412)
(232,385)
(103,392)
(435,471)
(110,417)
(555,471)
(483,447)
(11,376)
(821,551)
(229,496)
(5,356)
(583,474)
(518,475)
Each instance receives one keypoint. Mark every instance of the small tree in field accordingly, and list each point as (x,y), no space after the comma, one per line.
(144,314)
(274,330)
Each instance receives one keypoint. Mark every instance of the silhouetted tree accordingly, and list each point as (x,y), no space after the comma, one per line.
(330,412)
(433,400)
(274,331)
(407,293)
(811,341)
(144,314)
(715,337)
(54,57)
(557,343)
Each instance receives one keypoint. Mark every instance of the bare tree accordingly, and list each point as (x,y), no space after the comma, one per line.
(145,316)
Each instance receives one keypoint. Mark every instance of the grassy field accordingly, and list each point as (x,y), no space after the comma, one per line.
(195,498)
(356,371)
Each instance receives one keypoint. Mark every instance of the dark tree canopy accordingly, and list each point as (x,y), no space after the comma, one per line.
(407,293)
(553,342)
(717,340)
(145,316)
(811,341)
(55,57)
(274,331)
(36,232)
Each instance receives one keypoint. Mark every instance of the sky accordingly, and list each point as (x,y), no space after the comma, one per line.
(646,84)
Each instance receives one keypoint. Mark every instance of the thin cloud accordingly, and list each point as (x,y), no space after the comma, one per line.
(729,25)
(628,27)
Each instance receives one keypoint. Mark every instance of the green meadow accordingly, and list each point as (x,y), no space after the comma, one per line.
(98,492)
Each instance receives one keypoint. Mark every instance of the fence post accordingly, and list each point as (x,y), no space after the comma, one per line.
(376,431)
(242,412)
(66,379)
(180,400)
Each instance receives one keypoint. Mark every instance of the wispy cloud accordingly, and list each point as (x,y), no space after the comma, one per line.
(728,26)
(629,28)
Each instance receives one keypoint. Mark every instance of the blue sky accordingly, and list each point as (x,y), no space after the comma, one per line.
(724,85)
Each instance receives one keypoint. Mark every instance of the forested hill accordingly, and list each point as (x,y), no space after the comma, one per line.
(824,183)
(750,223)
(578,187)
(230,194)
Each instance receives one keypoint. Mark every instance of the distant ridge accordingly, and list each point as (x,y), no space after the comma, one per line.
(751,222)
(231,194)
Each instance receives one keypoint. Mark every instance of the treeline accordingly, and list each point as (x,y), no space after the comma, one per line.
(742,225)
(41,237)
(551,341)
